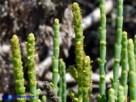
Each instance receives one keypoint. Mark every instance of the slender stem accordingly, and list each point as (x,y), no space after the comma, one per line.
(111,95)
(132,70)
(31,65)
(62,70)
(102,59)
(87,73)
(18,68)
(117,51)
(55,77)
(121,97)
(124,64)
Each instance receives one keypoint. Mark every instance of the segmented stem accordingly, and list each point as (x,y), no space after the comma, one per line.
(132,70)
(102,59)
(56,43)
(124,64)
(117,51)
(121,96)
(17,68)
(31,65)
(62,83)
(77,20)
(111,95)
(87,72)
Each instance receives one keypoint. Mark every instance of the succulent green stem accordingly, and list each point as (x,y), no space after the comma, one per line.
(62,90)
(18,68)
(102,59)
(117,51)
(121,96)
(56,43)
(31,65)
(124,64)
(132,70)
(87,73)
(111,95)
(77,20)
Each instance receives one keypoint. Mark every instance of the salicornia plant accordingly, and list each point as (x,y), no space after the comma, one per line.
(82,61)
(124,58)
(55,58)
(87,73)
(124,64)
(111,95)
(102,59)
(62,82)
(77,20)
(132,70)
(31,65)
(117,50)
(121,97)
(18,68)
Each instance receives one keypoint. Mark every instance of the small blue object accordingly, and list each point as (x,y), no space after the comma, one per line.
(4,96)
(9,97)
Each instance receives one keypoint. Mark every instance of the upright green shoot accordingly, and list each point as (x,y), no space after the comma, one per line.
(117,50)
(111,95)
(102,59)
(62,82)
(17,68)
(56,43)
(77,20)
(121,96)
(31,65)
(132,70)
(124,64)
(87,73)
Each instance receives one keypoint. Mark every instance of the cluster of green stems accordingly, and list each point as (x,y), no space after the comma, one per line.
(124,58)
(18,69)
